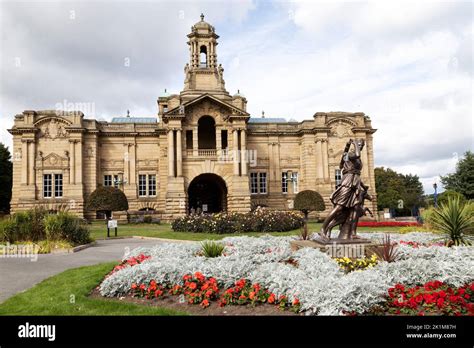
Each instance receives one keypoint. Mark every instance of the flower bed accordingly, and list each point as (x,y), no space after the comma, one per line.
(259,220)
(387,223)
(306,280)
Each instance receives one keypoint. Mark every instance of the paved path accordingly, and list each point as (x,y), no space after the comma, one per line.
(19,274)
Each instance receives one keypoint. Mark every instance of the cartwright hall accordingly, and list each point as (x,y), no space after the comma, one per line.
(203,152)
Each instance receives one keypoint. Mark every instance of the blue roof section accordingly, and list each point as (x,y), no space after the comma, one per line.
(267,120)
(134,120)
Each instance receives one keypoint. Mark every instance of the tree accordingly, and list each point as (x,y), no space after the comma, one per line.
(107,199)
(462,180)
(6,173)
(307,201)
(393,188)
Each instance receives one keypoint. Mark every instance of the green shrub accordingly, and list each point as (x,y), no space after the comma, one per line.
(212,249)
(36,225)
(65,226)
(455,220)
(307,201)
(259,220)
(107,199)
(148,219)
(24,225)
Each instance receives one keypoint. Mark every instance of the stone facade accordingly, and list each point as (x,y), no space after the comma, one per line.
(202,152)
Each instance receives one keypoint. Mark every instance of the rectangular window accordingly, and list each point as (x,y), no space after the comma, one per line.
(284,182)
(107,180)
(224,143)
(152,185)
(295,182)
(142,185)
(189,139)
(47,185)
(253,183)
(116,181)
(58,185)
(263,182)
(338,177)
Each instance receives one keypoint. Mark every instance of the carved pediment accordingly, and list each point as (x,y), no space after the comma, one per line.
(53,160)
(52,128)
(341,128)
(225,108)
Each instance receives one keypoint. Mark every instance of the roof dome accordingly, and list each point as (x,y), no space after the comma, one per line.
(203,25)
(238,94)
(165,94)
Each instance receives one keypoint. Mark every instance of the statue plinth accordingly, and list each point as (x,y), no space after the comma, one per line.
(336,247)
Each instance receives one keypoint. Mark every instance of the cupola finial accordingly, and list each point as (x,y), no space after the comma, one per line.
(202,17)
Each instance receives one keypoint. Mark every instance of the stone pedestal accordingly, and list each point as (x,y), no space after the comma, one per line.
(352,248)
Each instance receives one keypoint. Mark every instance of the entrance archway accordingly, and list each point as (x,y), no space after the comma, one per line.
(207,193)
(206,133)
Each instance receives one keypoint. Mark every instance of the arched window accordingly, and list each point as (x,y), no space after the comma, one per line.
(203,56)
(206,133)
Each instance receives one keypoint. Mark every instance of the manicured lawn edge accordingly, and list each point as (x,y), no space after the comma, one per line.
(67,293)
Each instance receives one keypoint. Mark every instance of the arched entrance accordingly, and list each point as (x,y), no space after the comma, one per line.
(206,133)
(207,193)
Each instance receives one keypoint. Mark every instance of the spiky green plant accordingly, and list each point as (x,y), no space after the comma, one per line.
(454,219)
(212,249)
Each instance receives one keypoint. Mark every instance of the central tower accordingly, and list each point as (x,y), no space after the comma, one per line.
(202,73)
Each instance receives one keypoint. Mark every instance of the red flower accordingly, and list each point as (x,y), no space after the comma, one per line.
(440,302)
(271,299)
(192,286)
(134,286)
(205,303)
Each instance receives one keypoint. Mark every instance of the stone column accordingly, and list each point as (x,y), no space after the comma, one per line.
(72,162)
(365,163)
(235,145)
(79,162)
(319,160)
(170,153)
(243,152)
(195,142)
(325,159)
(132,161)
(31,166)
(179,154)
(24,162)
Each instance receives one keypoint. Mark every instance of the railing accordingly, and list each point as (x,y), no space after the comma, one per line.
(207,152)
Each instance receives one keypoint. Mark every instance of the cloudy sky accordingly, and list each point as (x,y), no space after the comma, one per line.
(409,65)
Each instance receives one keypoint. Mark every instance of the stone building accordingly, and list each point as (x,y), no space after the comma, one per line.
(203,151)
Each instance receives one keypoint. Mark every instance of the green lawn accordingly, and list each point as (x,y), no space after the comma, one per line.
(99,231)
(52,297)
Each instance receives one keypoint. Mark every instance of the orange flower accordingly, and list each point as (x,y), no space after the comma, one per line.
(192,286)
(205,303)
(251,295)
(134,286)
(271,299)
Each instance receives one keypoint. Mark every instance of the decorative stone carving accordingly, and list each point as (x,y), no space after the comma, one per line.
(341,129)
(53,130)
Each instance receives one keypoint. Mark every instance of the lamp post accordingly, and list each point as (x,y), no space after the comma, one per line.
(435,196)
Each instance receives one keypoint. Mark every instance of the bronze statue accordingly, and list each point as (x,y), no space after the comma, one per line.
(349,197)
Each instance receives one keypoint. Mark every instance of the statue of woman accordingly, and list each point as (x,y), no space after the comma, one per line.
(347,196)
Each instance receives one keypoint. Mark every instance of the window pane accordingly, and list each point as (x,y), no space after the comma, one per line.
(224,142)
(107,180)
(295,182)
(116,178)
(189,139)
(284,182)
(47,185)
(152,185)
(58,185)
(253,183)
(142,185)
(263,182)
